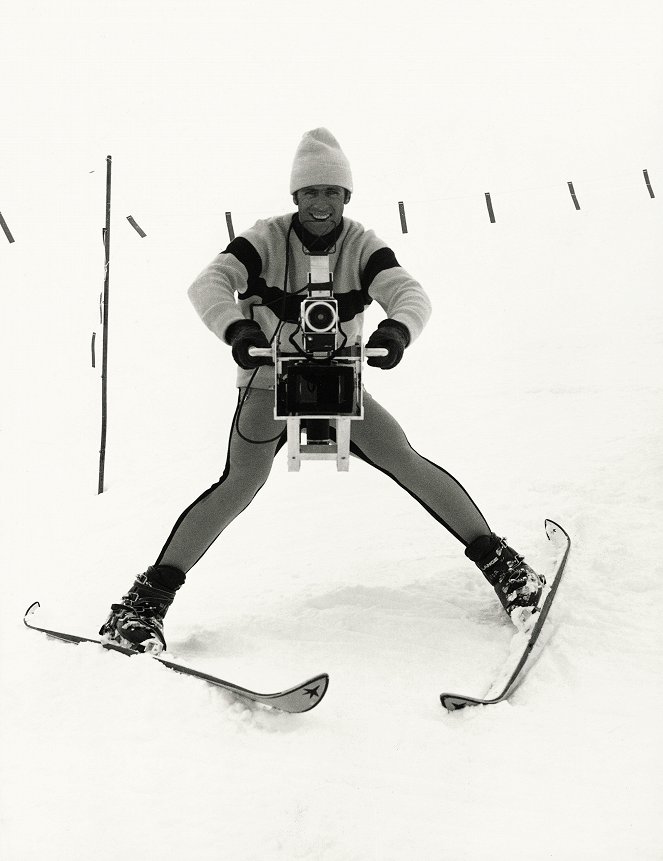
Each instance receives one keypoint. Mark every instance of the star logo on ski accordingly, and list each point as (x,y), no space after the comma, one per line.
(312,692)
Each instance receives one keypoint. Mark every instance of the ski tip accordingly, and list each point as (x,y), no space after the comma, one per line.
(455,702)
(555,531)
(314,690)
(32,608)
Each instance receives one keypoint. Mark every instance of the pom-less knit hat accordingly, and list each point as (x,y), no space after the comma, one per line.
(319,160)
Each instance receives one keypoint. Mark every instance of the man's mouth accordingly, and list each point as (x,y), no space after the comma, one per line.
(320,217)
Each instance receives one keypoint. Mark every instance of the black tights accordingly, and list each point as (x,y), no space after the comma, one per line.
(378,440)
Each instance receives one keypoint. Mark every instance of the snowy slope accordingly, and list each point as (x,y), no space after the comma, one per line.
(537,383)
(561,419)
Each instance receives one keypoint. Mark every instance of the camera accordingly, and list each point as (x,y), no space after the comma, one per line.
(318,384)
(318,315)
(319,324)
(321,378)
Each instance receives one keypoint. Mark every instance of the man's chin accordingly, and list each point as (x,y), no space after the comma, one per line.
(319,228)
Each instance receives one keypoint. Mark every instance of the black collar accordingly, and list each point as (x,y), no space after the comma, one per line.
(317,244)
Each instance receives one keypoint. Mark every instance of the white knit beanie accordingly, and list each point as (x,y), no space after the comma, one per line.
(319,160)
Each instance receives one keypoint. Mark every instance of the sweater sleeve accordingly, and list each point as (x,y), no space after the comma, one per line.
(212,294)
(400,295)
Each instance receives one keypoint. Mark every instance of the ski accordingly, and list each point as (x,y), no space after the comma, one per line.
(453,702)
(295,700)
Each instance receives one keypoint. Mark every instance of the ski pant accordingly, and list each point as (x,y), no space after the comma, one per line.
(378,440)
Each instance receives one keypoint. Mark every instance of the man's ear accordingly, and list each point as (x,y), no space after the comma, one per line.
(348,195)
(294,199)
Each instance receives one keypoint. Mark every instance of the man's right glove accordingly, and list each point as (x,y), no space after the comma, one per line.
(392,336)
(242,335)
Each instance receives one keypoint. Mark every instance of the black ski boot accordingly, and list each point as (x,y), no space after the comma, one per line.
(137,623)
(518,586)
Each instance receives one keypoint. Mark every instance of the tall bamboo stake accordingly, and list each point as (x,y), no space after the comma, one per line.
(104,360)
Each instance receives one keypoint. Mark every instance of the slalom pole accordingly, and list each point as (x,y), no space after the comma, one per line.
(104,359)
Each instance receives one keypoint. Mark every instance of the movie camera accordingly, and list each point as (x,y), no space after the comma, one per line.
(318,386)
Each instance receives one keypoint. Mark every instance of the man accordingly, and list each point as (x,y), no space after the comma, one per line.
(267,268)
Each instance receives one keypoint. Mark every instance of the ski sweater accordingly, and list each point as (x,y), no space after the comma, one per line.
(267,268)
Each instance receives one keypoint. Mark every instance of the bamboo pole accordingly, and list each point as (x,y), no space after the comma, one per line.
(104,355)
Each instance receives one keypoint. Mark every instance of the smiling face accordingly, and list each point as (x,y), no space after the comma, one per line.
(321,207)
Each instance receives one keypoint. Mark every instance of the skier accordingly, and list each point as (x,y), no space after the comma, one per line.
(265,266)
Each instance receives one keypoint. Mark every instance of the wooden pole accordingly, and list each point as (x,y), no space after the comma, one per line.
(139,230)
(574,196)
(104,355)
(401,211)
(8,232)
(489,204)
(229,225)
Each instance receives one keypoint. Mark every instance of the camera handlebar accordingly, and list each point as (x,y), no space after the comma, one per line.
(266,352)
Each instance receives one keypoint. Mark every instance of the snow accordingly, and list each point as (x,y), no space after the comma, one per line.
(537,384)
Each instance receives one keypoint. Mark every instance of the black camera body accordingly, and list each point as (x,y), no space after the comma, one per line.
(315,389)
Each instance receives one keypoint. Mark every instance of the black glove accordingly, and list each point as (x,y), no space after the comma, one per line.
(393,336)
(242,335)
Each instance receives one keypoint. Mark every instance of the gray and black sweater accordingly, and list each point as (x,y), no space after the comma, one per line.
(267,267)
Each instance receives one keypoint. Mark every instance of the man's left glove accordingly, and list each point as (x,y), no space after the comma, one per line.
(242,335)
(394,337)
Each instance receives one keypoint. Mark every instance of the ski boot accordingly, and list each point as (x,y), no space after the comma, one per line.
(137,623)
(516,584)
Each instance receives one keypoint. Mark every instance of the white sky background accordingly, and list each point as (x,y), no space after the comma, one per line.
(202,104)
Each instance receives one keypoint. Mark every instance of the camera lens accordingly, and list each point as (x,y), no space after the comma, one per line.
(320,316)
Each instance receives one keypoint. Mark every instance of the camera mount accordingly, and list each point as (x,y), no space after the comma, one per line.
(318,386)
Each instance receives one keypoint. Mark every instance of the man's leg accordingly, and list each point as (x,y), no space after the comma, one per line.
(255,437)
(380,441)
(247,468)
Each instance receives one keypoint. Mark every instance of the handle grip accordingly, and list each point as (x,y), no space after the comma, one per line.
(266,352)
